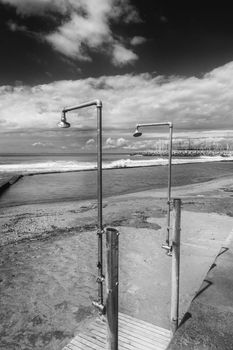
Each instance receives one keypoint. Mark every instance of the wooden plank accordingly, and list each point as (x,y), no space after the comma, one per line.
(97,340)
(144,324)
(74,347)
(86,343)
(130,343)
(141,336)
(133,334)
(148,332)
(145,333)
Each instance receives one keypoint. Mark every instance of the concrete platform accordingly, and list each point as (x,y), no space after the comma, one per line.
(209,320)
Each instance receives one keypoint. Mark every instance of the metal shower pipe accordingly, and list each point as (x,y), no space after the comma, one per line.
(98,103)
(166,246)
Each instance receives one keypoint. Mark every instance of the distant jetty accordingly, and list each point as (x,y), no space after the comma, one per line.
(183,153)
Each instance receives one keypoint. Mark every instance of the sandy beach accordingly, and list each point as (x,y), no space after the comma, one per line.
(48,259)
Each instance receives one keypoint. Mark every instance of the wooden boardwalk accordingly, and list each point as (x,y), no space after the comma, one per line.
(134,334)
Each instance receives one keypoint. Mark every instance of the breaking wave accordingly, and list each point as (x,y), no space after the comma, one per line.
(68,166)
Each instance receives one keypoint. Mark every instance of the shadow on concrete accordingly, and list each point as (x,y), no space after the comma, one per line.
(222,251)
(205,285)
(186,317)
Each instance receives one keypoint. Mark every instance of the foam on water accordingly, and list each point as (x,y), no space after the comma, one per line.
(47,167)
(129,163)
(64,166)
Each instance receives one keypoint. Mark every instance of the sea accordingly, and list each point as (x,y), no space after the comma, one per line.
(68,177)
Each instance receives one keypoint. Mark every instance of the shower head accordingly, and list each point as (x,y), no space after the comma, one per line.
(63,123)
(137,133)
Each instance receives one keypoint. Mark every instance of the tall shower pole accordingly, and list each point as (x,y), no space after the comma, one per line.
(137,133)
(169,185)
(64,124)
(100,278)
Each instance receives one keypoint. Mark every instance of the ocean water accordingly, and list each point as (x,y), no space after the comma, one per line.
(119,176)
(36,164)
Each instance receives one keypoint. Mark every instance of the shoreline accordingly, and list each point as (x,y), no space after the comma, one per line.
(199,188)
(183,190)
(204,197)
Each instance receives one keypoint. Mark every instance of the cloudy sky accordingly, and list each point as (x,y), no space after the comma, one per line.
(148,61)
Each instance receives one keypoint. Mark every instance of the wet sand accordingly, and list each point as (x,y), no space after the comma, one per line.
(48,260)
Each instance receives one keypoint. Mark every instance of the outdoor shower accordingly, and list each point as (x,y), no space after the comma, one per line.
(137,133)
(64,124)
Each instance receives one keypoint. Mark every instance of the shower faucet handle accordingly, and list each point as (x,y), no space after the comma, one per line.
(168,248)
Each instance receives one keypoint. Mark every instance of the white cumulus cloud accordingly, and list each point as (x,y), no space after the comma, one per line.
(190,103)
(13,26)
(137,40)
(89,145)
(42,144)
(122,56)
(90,142)
(38,7)
(115,143)
(86,26)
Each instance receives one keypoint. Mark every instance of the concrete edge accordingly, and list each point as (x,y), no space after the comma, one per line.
(207,324)
(8,182)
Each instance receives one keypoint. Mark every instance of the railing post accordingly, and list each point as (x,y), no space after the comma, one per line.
(175,264)
(112,250)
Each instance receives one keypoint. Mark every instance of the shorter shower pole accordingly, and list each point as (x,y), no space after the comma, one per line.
(137,133)
(112,282)
(175,265)
(64,124)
